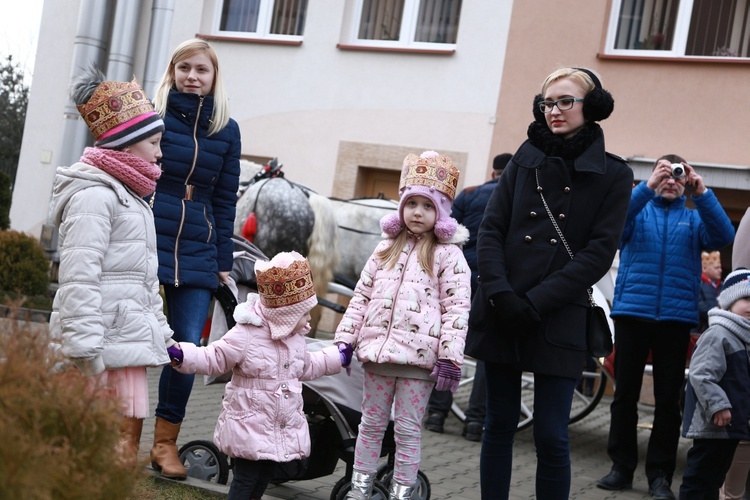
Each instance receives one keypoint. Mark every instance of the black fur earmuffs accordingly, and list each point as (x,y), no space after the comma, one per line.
(597,104)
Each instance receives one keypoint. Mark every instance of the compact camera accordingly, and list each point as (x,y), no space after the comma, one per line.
(678,171)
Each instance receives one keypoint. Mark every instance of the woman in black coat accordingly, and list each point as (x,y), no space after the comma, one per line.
(529,313)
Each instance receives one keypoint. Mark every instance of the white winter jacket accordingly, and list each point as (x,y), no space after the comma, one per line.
(107,312)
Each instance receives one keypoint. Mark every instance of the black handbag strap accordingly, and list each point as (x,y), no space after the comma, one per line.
(539,190)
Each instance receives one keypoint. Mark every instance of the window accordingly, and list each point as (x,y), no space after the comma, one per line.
(274,19)
(680,28)
(417,24)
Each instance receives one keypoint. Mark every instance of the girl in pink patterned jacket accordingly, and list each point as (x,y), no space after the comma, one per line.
(408,318)
(262,420)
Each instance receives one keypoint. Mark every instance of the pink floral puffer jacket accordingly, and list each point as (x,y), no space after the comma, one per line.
(261,416)
(405,316)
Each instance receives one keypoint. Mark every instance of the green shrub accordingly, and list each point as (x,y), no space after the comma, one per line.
(24,267)
(57,433)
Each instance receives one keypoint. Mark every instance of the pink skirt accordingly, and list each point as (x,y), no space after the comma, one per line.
(130,386)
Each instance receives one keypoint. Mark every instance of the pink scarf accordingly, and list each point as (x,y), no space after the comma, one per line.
(133,171)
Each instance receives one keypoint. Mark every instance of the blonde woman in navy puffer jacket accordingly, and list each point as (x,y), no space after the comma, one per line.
(194,208)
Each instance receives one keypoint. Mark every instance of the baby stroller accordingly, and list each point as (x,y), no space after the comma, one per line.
(331,405)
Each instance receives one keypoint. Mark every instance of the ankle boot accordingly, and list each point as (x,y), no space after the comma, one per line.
(130,440)
(400,491)
(164,455)
(361,486)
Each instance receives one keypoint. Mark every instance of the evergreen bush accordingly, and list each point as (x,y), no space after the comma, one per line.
(24,268)
(57,432)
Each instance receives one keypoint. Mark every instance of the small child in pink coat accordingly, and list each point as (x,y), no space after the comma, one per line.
(261,421)
(408,319)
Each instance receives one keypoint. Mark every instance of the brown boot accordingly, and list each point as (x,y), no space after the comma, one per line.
(130,440)
(164,455)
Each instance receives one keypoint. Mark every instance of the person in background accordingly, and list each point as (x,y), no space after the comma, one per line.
(717,400)
(107,313)
(710,286)
(737,477)
(530,311)
(262,422)
(468,209)
(655,307)
(194,208)
(407,320)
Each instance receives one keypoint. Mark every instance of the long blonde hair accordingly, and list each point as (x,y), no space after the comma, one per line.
(426,251)
(186,49)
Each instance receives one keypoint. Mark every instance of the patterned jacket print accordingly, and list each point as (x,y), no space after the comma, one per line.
(405,316)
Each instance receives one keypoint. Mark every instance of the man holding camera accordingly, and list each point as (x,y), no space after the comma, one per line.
(655,306)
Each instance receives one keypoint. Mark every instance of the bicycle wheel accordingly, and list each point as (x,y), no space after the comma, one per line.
(589,390)
(462,394)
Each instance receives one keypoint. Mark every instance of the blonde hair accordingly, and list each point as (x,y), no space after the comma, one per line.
(579,77)
(186,49)
(426,251)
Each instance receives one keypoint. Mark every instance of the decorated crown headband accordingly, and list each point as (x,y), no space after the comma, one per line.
(284,286)
(436,171)
(114,105)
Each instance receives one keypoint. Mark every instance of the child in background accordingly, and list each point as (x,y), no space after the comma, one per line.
(408,318)
(267,354)
(107,313)
(717,403)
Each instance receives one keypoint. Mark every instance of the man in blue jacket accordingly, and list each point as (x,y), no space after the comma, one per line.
(655,306)
(468,209)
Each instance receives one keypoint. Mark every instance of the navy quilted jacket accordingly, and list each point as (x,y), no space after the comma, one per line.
(660,255)
(195,198)
(468,209)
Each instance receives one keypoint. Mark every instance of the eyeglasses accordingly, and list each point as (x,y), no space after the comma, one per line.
(563,104)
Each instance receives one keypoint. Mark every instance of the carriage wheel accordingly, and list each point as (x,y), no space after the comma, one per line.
(344,485)
(421,492)
(585,398)
(203,460)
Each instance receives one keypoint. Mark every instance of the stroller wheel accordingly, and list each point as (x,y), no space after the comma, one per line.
(344,485)
(203,460)
(421,492)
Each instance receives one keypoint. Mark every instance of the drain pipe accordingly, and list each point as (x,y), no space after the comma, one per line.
(90,44)
(94,18)
(124,35)
(158,54)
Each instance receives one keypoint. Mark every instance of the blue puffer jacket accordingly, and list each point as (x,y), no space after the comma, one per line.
(195,198)
(468,210)
(660,255)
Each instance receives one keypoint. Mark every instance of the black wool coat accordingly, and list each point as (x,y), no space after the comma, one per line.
(520,251)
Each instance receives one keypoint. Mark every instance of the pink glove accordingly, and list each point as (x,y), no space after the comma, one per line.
(448,375)
(175,354)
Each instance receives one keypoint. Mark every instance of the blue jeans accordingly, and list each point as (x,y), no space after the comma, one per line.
(187,310)
(553,397)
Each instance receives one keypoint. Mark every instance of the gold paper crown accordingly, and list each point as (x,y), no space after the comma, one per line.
(114,104)
(284,286)
(436,171)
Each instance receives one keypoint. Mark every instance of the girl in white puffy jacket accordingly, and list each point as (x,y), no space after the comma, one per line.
(408,319)
(107,313)
(262,421)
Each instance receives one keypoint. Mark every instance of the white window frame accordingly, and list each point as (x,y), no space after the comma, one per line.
(679,42)
(265,16)
(406,36)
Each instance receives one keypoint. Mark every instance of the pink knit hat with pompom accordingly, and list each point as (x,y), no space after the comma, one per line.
(433,176)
